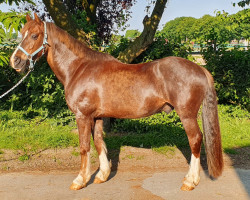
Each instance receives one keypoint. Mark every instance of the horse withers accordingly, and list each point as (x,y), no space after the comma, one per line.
(97,86)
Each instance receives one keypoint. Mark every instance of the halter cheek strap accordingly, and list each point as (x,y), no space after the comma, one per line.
(30,56)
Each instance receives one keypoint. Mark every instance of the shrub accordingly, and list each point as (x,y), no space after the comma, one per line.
(40,90)
(231,72)
(161,48)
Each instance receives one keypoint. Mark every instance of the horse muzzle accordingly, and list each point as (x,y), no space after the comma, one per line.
(18,64)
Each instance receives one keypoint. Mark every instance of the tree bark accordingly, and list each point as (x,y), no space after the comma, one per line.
(63,19)
(90,8)
(146,38)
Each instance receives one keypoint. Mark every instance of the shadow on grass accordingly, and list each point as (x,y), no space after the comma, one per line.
(159,135)
(149,137)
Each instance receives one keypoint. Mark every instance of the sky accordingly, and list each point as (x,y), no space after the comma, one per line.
(179,8)
(174,8)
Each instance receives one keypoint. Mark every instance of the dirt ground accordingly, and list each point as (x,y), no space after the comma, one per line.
(132,170)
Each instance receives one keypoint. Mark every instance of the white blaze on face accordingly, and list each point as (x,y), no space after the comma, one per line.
(12,61)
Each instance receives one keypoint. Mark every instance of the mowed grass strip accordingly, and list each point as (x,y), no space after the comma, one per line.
(161,132)
(20,133)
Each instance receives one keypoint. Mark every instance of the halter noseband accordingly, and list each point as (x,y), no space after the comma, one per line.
(30,56)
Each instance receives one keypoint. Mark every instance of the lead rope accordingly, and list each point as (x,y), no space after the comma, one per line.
(32,62)
(19,82)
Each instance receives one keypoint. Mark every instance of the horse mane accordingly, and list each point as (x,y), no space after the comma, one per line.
(77,47)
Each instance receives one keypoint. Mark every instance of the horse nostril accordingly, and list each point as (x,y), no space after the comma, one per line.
(17,60)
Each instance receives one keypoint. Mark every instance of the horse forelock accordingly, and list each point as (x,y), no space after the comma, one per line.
(31,25)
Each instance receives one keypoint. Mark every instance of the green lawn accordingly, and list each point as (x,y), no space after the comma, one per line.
(31,132)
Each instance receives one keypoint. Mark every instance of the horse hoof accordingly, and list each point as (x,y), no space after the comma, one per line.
(76,186)
(98,181)
(185,187)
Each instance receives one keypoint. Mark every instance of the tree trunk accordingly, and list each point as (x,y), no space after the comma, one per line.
(63,19)
(90,8)
(146,38)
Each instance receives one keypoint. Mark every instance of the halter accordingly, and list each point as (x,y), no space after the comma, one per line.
(30,56)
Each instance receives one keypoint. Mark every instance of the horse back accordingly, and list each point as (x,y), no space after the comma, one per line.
(114,89)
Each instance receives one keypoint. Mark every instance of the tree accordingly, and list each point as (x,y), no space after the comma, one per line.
(105,15)
(208,29)
(64,19)
(142,42)
(179,29)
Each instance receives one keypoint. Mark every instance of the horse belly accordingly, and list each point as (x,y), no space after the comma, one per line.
(132,104)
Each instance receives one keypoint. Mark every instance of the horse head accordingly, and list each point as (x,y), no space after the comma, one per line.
(32,46)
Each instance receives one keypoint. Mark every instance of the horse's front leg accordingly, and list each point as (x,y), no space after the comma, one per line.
(105,167)
(84,127)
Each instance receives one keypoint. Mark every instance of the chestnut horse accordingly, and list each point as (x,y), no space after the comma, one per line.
(97,86)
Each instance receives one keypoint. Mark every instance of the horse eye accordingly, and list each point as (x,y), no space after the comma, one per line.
(34,36)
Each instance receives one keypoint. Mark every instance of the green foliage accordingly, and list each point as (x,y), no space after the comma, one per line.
(41,90)
(44,91)
(80,18)
(231,72)
(237,24)
(161,48)
(10,23)
(219,29)
(114,50)
(179,29)
(243,3)
(132,34)
(15,1)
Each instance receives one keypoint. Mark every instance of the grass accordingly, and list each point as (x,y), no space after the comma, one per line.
(235,127)
(30,134)
(163,133)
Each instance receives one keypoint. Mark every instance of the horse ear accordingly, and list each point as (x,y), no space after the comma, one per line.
(37,18)
(28,18)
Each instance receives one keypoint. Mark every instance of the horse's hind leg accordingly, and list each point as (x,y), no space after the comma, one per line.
(195,138)
(105,168)
(84,128)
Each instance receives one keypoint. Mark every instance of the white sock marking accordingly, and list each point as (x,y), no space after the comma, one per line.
(193,176)
(79,180)
(104,165)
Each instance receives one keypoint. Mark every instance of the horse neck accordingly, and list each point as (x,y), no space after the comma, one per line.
(61,56)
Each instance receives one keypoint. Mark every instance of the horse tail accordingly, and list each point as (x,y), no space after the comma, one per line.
(211,129)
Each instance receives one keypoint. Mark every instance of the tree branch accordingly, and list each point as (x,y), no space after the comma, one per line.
(141,43)
(63,19)
(90,8)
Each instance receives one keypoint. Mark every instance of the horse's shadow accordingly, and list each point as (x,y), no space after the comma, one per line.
(157,136)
